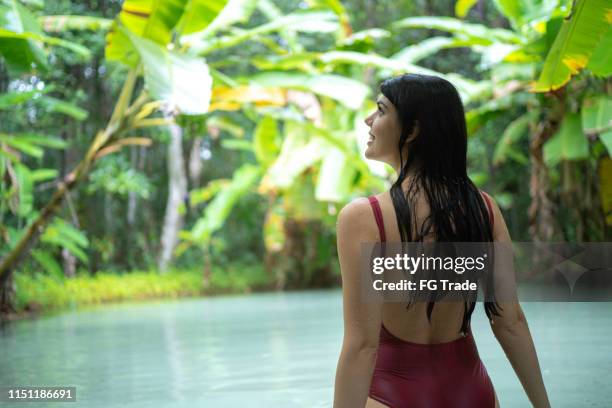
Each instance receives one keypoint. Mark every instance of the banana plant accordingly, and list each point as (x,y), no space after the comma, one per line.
(304,71)
(582,42)
(315,166)
(520,65)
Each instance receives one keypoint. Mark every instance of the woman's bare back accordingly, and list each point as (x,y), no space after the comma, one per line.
(411,324)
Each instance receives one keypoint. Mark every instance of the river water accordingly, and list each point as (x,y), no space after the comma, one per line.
(268,350)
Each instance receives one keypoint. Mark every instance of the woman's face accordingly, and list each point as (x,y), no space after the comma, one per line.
(385,130)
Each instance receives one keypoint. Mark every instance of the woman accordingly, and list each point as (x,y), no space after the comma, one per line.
(423,355)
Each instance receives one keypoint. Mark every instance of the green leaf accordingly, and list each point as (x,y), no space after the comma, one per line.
(303,21)
(368,36)
(64,235)
(23,146)
(299,61)
(272,12)
(465,30)
(515,131)
(475,118)
(150,19)
(11,99)
(29,142)
(84,52)
(600,63)
(48,262)
(462,7)
(298,152)
(335,177)
(338,8)
(26,190)
(207,16)
(61,23)
(207,192)
(58,106)
(164,17)
(6,155)
(181,80)
(226,124)
(299,200)
(72,234)
(237,144)
(265,143)
(597,118)
(511,9)
(43,174)
(596,113)
(569,143)
(358,58)
(219,208)
(43,140)
(606,139)
(414,53)
(347,91)
(119,47)
(524,15)
(574,44)
(20,54)
(203,18)
(33,4)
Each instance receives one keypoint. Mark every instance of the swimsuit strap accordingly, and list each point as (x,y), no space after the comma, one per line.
(378,216)
(488,201)
(381,226)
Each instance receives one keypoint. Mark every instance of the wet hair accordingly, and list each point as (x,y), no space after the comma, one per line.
(438,156)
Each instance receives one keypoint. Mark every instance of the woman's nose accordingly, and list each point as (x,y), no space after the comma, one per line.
(368,120)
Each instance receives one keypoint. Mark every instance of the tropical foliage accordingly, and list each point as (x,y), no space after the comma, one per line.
(185,132)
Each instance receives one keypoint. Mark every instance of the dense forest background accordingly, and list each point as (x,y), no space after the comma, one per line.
(226,135)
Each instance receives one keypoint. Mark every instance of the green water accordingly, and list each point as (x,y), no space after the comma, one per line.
(268,350)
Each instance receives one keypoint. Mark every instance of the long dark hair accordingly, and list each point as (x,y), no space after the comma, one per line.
(438,159)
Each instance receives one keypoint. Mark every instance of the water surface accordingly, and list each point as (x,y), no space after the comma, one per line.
(268,350)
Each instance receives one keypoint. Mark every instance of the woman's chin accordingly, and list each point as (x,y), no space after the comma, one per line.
(369,153)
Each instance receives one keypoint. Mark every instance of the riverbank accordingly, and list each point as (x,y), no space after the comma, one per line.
(39,294)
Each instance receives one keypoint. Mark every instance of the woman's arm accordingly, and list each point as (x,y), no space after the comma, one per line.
(362,320)
(511,329)
(512,333)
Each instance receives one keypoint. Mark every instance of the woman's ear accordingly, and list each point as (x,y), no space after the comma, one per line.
(415,132)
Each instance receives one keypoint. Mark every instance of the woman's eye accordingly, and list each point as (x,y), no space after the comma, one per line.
(380,110)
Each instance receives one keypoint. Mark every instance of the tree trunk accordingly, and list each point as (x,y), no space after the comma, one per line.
(177,190)
(541,210)
(7,296)
(195,162)
(69,263)
(132,203)
(541,218)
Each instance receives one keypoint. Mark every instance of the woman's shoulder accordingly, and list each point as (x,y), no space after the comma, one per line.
(357,216)
(355,208)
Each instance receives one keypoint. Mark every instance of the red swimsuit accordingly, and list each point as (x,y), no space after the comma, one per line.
(439,375)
